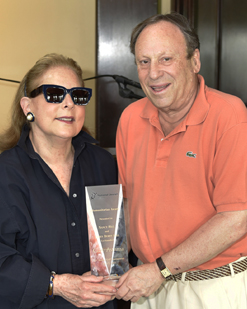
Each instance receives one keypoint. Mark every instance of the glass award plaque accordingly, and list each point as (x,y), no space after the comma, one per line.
(106,231)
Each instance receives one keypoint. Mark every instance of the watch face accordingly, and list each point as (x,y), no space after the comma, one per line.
(166,273)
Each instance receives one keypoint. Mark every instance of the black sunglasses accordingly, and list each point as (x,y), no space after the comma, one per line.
(56,94)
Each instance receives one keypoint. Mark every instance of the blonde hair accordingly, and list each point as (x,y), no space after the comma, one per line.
(30,81)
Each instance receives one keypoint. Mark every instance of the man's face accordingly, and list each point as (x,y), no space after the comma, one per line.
(167,77)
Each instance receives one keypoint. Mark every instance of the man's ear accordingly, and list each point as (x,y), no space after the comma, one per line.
(196,62)
(25,105)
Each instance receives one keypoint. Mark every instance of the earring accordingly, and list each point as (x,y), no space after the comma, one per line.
(30,117)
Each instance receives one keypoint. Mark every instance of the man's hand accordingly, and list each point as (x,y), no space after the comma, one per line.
(84,291)
(139,281)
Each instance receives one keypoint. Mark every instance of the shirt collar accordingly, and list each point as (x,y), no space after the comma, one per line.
(200,107)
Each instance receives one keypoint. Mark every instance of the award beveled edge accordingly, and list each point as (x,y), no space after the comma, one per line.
(106,231)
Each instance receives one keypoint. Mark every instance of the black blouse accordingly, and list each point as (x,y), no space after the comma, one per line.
(42,229)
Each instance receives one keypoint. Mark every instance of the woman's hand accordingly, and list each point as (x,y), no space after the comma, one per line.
(84,291)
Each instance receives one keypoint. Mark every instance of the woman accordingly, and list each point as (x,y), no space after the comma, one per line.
(46,162)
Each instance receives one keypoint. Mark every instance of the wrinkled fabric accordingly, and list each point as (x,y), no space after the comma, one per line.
(42,229)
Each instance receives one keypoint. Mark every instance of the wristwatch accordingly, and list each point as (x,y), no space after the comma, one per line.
(163,269)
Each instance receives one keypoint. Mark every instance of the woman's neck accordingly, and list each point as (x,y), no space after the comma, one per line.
(55,151)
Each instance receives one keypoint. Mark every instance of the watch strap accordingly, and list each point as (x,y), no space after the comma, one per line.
(163,269)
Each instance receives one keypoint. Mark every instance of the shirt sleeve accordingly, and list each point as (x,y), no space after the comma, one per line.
(230,170)
(23,278)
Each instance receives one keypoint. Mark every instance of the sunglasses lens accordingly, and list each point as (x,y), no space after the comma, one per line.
(54,95)
(80,96)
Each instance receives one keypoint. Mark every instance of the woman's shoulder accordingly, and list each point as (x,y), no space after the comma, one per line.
(101,153)
(98,164)
(9,157)
(92,147)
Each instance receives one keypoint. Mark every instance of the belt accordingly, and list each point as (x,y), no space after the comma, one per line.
(207,274)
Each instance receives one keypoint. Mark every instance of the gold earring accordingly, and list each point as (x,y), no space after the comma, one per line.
(30,117)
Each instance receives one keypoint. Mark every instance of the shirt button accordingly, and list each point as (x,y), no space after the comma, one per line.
(73,224)
(77,254)
(162,139)
(75,195)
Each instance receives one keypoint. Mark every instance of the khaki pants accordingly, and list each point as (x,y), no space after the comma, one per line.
(221,293)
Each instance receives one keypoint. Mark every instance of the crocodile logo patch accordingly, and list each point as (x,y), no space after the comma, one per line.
(191,154)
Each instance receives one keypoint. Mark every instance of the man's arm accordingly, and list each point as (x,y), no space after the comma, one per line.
(212,238)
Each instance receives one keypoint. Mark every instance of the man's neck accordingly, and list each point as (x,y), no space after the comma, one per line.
(170,119)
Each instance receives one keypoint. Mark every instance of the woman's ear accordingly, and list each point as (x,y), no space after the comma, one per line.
(25,105)
(196,62)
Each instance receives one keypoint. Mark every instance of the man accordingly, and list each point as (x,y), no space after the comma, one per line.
(182,161)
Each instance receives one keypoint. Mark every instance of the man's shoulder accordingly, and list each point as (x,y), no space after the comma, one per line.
(136,109)
(227,104)
(214,95)
(136,106)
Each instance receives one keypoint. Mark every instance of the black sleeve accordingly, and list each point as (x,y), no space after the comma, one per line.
(23,278)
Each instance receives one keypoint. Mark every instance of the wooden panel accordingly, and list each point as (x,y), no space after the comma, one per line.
(186,8)
(234,47)
(206,26)
(221,26)
(115,21)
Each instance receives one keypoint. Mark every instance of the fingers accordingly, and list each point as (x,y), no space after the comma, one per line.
(104,288)
(124,287)
(93,299)
(83,291)
(88,273)
(122,293)
(139,281)
(121,280)
(96,294)
(90,278)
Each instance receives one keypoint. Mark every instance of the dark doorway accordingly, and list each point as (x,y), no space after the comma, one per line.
(222,27)
(115,21)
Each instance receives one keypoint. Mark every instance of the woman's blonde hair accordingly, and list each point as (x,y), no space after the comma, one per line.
(30,81)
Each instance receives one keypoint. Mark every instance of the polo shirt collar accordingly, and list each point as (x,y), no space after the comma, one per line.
(149,111)
(196,115)
(200,107)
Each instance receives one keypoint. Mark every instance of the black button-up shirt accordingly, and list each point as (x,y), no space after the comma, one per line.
(41,227)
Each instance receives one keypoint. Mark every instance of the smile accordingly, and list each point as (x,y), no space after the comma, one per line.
(160,88)
(66,119)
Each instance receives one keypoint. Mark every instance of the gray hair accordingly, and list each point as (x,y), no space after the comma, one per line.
(191,38)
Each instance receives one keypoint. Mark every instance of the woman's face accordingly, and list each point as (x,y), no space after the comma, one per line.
(56,121)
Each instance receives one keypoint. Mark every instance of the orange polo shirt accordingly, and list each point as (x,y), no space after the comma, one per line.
(176,183)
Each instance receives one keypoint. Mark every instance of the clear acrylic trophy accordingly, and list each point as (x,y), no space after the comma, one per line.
(106,231)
